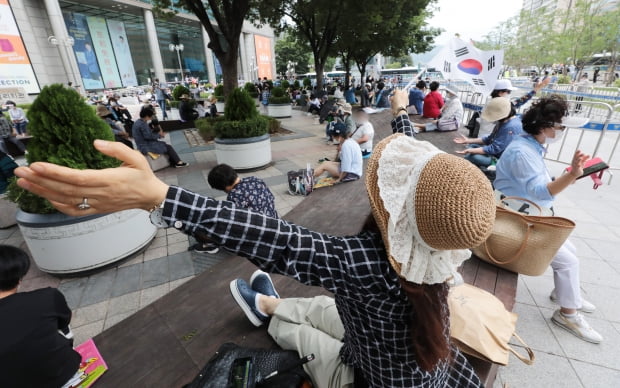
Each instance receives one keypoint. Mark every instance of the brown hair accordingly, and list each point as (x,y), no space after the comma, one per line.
(430,330)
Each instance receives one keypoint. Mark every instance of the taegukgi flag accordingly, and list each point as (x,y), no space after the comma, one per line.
(460,60)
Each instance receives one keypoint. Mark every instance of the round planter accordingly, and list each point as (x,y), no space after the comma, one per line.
(279,110)
(244,154)
(62,244)
(220,106)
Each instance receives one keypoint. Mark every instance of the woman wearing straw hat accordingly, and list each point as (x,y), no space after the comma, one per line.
(486,150)
(119,132)
(522,172)
(388,324)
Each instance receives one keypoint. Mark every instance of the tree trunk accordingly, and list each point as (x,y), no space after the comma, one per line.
(318,66)
(347,71)
(361,66)
(230,73)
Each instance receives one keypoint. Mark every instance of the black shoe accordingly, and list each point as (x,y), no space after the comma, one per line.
(211,249)
(181,165)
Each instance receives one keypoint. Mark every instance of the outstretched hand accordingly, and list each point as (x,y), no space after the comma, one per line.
(131,186)
(542,84)
(400,99)
(579,160)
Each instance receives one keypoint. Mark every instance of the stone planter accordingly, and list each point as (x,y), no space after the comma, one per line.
(220,106)
(61,244)
(244,154)
(279,110)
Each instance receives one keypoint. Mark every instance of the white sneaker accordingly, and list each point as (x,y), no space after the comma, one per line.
(586,307)
(578,326)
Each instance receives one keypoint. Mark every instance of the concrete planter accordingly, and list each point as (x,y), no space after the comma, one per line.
(220,106)
(61,244)
(243,154)
(279,110)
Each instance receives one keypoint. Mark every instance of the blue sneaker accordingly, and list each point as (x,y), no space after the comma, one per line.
(261,282)
(247,298)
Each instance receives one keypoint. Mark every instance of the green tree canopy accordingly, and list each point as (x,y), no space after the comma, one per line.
(289,49)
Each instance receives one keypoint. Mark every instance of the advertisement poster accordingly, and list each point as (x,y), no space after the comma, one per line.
(122,52)
(83,49)
(15,68)
(263,56)
(103,48)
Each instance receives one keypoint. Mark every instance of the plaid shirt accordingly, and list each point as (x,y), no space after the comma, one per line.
(401,124)
(373,308)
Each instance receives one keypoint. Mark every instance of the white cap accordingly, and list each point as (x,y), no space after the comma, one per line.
(451,89)
(503,84)
(575,121)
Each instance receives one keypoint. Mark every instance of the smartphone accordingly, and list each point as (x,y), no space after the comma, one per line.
(241,374)
(593,169)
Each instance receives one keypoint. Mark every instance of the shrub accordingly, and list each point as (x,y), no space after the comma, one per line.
(178,91)
(279,96)
(285,84)
(617,83)
(251,89)
(206,126)
(273,124)
(307,83)
(296,84)
(564,79)
(256,126)
(63,128)
(240,106)
(25,106)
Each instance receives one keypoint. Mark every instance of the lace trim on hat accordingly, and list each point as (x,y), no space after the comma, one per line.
(401,163)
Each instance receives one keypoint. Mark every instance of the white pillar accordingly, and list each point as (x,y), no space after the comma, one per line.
(273,57)
(59,29)
(151,36)
(244,58)
(208,57)
(251,53)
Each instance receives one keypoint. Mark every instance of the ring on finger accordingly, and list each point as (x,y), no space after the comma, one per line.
(84,205)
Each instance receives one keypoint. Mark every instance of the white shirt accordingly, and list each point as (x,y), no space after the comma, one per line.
(351,158)
(365,129)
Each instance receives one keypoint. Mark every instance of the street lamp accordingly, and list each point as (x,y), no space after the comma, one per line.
(66,45)
(290,69)
(178,48)
(253,67)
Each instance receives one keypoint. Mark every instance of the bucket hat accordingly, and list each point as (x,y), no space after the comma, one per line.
(430,207)
(496,109)
(102,111)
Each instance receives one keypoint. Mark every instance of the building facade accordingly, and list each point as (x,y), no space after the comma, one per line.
(112,44)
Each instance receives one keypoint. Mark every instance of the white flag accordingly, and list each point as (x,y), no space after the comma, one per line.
(460,60)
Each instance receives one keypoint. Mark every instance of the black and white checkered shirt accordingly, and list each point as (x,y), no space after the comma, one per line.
(374,309)
(401,124)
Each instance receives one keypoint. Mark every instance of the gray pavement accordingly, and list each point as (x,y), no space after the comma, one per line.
(102,299)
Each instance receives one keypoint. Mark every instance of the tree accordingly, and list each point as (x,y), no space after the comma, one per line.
(223,27)
(288,49)
(394,28)
(313,22)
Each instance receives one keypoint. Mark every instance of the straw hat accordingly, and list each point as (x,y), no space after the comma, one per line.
(496,109)
(430,207)
(347,108)
(102,111)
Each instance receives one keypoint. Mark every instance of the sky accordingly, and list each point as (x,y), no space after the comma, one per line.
(471,18)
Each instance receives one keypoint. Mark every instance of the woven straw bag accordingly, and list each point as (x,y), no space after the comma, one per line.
(522,243)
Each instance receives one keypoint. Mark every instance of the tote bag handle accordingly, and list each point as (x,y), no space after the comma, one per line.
(517,255)
(530,358)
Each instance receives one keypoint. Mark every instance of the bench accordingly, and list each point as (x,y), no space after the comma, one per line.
(160,163)
(12,148)
(167,342)
(175,125)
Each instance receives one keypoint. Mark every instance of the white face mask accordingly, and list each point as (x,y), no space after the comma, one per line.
(559,134)
(113,103)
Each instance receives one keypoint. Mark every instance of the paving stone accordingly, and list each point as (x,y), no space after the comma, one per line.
(114,319)
(123,304)
(149,295)
(180,265)
(7,233)
(592,375)
(155,272)
(89,314)
(155,253)
(548,371)
(533,327)
(98,288)
(176,238)
(158,242)
(128,279)
(178,247)
(73,291)
(86,332)
(179,282)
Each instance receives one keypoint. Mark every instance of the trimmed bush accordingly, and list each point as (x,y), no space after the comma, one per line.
(273,124)
(307,83)
(564,79)
(285,84)
(256,126)
(279,96)
(63,128)
(206,126)
(240,106)
(178,91)
(296,85)
(218,92)
(251,89)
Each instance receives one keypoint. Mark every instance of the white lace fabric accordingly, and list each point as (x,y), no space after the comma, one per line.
(401,163)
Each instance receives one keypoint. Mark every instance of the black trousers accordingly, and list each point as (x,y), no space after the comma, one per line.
(172,155)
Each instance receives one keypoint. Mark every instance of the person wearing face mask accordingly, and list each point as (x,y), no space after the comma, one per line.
(18,117)
(451,114)
(364,132)
(486,150)
(147,138)
(521,172)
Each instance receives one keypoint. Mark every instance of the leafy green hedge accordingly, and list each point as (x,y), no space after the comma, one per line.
(285,84)
(178,91)
(279,96)
(218,92)
(256,126)
(251,89)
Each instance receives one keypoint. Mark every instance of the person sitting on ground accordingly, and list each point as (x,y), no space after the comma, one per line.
(186,111)
(314,106)
(302,99)
(200,109)
(503,88)
(212,106)
(388,324)
(401,122)
(7,168)
(485,151)
(433,102)
(338,94)
(347,118)
(522,172)
(18,117)
(350,165)
(364,133)
(383,96)
(416,98)
(147,138)
(451,114)
(349,95)
(248,193)
(8,134)
(33,353)
(119,110)
(119,132)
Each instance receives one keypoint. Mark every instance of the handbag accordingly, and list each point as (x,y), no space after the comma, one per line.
(447,125)
(481,326)
(217,371)
(301,182)
(523,243)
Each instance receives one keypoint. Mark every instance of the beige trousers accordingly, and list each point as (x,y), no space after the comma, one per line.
(312,325)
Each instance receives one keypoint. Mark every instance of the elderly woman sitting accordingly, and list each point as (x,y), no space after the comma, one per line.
(147,138)
(119,132)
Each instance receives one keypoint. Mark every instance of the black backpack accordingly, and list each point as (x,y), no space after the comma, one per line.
(473,125)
